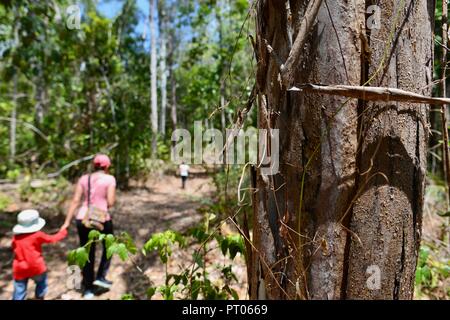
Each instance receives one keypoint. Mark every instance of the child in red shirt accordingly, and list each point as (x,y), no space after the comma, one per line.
(28,260)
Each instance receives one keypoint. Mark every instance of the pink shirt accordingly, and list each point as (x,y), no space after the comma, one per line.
(100,182)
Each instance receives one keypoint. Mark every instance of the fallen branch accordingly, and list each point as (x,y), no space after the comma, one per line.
(27,125)
(78,161)
(371,93)
(69,165)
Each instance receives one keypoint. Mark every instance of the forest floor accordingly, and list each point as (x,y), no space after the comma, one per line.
(158,205)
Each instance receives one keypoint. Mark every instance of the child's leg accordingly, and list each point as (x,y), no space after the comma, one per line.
(88,270)
(20,289)
(41,285)
(104,262)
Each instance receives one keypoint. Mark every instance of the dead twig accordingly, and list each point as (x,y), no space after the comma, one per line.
(78,161)
(371,93)
(304,30)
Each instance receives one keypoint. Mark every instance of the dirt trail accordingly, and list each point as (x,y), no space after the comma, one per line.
(160,205)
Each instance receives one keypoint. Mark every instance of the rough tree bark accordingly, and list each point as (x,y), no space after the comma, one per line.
(347,199)
(388,213)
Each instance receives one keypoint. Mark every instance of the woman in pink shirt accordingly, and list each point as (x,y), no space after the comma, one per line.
(102,196)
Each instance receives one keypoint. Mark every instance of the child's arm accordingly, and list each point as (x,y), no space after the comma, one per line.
(47,238)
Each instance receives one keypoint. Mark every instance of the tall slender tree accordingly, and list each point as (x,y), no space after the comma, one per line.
(153,77)
(163,30)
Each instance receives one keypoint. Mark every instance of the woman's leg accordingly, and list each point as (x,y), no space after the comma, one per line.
(88,270)
(105,262)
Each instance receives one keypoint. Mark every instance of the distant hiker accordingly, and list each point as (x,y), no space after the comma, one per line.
(99,192)
(184,173)
(28,260)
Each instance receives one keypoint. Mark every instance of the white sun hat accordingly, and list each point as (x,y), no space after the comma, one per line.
(28,222)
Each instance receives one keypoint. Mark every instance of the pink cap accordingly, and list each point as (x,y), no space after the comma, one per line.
(102,160)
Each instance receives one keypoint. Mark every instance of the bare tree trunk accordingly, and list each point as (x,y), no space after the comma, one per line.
(153,75)
(13,127)
(41,85)
(40,98)
(172,61)
(219,18)
(163,56)
(173,106)
(92,108)
(329,216)
(222,107)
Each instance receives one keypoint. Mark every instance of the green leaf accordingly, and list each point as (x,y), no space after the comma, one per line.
(122,251)
(234,249)
(72,257)
(195,289)
(82,257)
(151,292)
(128,296)
(234,294)
(198,259)
(224,246)
(131,246)
(109,240)
(111,250)
(93,234)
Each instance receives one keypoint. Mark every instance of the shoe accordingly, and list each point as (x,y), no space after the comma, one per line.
(103,283)
(88,295)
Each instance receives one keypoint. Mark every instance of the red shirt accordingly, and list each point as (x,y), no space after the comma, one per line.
(28,260)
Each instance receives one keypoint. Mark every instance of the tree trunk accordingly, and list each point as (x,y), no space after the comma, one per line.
(163,56)
(388,213)
(347,200)
(13,127)
(173,106)
(221,6)
(172,76)
(223,121)
(153,76)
